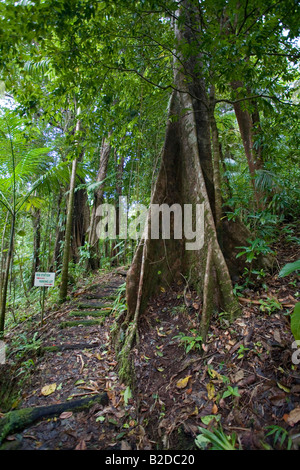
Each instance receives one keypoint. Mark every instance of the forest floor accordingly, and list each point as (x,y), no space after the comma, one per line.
(242,380)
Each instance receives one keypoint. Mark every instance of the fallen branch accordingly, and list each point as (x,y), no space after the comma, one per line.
(18,420)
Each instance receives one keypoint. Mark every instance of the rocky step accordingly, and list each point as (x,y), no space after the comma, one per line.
(86,323)
(94,305)
(89,313)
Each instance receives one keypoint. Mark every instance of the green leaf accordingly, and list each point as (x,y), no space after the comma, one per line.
(127,395)
(208,418)
(100,418)
(21,233)
(295,322)
(289,268)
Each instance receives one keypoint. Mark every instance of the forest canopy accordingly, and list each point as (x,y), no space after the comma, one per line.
(118,115)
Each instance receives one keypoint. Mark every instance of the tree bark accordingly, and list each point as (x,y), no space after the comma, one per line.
(36,222)
(66,255)
(94,260)
(17,420)
(80,222)
(185,177)
(216,160)
(248,124)
(6,274)
(119,165)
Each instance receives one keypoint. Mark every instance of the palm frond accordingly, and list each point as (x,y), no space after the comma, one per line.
(51,179)
(5,202)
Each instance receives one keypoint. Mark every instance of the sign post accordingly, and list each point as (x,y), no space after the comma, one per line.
(44,280)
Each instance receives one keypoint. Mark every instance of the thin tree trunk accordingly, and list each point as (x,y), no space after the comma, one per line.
(216,160)
(2,262)
(6,274)
(94,260)
(59,236)
(119,177)
(81,218)
(247,125)
(66,254)
(36,221)
(65,265)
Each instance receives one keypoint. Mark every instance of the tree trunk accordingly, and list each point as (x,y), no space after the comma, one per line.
(94,260)
(3,258)
(80,222)
(216,160)
(6,274)
(17,420)
(66,255)
(119,165)
(248,125)
(185,177)
(36,222)
(65,265)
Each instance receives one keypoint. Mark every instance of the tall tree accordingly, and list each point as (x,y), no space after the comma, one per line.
(63,290)
(185,177)
(19,164)
(94,259)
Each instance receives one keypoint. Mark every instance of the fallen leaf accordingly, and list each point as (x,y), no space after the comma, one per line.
(214,374)
(81,445)
(160,333)
(66,415)
(238,376)
(285,417)
(125,445)
(276,336)
(282,387)
(210,390)
(195,412)
(208,418)
(183,382)
(294,416)
(110,394)
(79,382)
(48,389)
(214,409)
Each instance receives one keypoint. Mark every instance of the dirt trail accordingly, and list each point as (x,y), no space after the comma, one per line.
(243,377)
(84,365)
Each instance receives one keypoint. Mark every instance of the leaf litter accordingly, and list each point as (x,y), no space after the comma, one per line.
(242,378)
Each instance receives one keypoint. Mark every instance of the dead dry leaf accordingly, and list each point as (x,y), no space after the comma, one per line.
(66,415)
(182,383)
(214,409)
(210,390)
(294,416)
(125,445)
(81,445)
(48,389)
(238,376)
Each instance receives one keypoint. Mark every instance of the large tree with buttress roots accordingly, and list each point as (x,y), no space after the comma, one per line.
(186,176)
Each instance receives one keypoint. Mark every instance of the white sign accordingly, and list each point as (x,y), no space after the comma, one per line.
(44,279)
